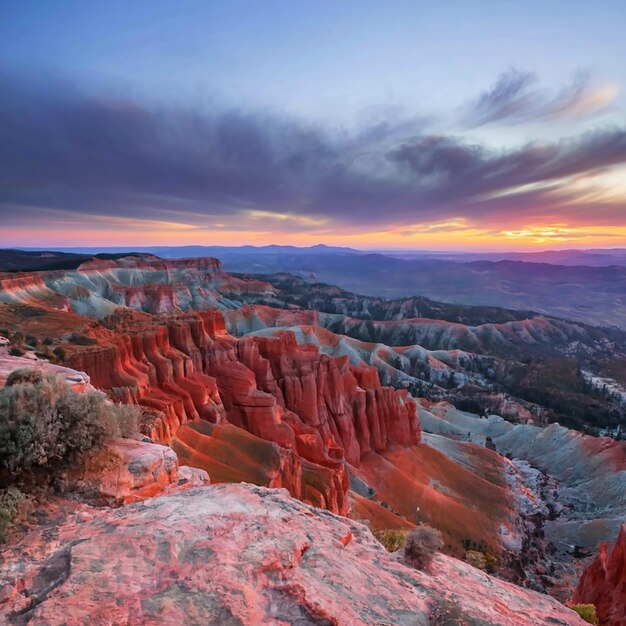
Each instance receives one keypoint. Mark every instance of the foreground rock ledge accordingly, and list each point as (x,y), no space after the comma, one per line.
(240,555)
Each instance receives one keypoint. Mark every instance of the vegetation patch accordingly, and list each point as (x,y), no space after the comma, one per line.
(587,612)
(422,543)
(44,423)
(10,500)
(392,540)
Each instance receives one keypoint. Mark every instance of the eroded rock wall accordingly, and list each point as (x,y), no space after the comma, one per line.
(323,411)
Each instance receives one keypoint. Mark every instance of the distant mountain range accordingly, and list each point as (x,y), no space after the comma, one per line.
(589,258)
(582,286)
(595,258)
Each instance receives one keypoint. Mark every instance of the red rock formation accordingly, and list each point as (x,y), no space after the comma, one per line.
(320,409)
(29,288)
(346,405)
(141,362)
(232,454)
(144,283)
(603,583)
(148,261)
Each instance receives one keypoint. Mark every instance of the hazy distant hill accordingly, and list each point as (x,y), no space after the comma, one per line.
(596,295)
(592,258)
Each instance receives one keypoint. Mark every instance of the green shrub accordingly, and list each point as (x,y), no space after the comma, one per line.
(48,341)
(391,539)
(587,612)
(81,340)
(59,353)
(421,545)
(10,500)
(43,423)
(16,351)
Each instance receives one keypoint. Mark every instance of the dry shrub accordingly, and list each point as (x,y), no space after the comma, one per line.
(491,561)
(422,543)
(24,375)
(123,420)
(476,559)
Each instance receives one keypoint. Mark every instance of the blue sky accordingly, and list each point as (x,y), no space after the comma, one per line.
(344,72)
(313,58)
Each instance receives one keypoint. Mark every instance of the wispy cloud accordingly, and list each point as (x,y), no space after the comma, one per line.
(88,157)
(515,98)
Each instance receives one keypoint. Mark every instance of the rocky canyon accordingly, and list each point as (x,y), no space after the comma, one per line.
(281,424)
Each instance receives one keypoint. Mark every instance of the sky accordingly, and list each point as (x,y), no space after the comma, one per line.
(455,125)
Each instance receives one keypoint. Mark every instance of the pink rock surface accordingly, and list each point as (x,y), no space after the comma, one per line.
(237,554)
(126,471)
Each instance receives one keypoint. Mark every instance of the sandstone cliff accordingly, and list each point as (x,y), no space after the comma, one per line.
(603,583)
(320,410)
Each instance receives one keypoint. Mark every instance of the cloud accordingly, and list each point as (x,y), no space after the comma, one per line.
(445,168)
(69,153)
(513,99)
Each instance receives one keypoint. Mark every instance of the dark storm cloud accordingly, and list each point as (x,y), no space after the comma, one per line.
(63,149)
(514,99)
(450,169)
